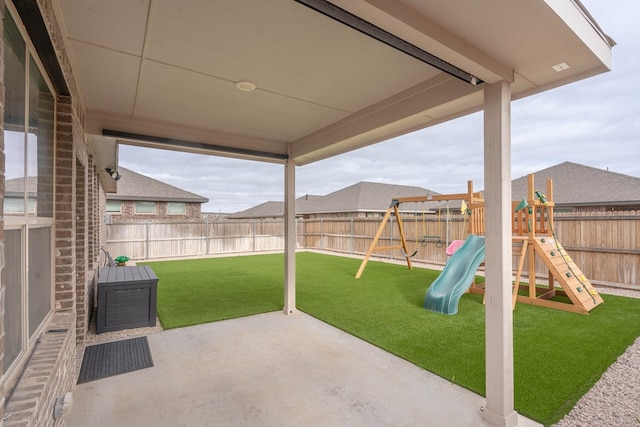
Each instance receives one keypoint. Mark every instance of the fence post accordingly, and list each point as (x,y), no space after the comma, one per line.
(300,221)
(206,236)
(352,237)
(146,239)
(253,232)
(321,234)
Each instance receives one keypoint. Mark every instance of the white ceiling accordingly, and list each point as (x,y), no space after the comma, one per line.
(169,68)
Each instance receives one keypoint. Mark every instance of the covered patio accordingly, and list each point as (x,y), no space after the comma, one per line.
(298,81)
(294,82)
(272,370)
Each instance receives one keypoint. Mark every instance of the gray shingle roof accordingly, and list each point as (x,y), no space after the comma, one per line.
(263,210)
(573,184)
(16,185)
(135,186)
(271,209)
(365,197)
(580,185)
(360,197)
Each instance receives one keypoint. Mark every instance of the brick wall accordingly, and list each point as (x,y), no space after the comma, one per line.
(82,324)
(2,171)
(193,211)
(93,238)
(32,401)
(50,371)
(65,260)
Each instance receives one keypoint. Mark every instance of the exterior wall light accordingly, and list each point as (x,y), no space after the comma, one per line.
(113,173)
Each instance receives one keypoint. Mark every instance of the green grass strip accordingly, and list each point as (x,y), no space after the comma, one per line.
(558,355)
(195,291)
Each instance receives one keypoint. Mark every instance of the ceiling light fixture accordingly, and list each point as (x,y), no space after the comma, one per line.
(561,67)
(246,86)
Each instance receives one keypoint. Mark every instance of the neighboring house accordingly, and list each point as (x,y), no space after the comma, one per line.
(271,209)
(361,200)
(575,188)
(141,197)
(365,200)
(579,188)
(14,200)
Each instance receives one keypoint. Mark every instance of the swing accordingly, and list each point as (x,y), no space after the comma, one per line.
(404,254)
(426,239)
(440,243)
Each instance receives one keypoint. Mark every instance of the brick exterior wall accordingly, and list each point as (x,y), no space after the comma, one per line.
(193,211)
(82,324)
(93,239)
(50,370)
(50,373)
(2,258)
(65,260)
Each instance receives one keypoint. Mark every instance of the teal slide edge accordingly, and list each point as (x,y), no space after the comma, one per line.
(456,277)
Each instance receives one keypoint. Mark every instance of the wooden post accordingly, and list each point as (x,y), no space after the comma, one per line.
(402,238)
(470,224)
(531,219)
(374,243)
(516,285)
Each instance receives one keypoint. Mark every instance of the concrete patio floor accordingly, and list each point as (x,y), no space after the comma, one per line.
(273,370)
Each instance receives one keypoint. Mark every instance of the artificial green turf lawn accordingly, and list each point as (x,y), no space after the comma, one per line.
(195,291)
(558,355)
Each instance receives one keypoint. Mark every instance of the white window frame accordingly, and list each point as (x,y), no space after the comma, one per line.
(174,205)
(112,211)
(135,207)
(26,222)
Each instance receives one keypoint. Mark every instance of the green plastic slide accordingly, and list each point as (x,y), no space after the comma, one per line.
(456,277)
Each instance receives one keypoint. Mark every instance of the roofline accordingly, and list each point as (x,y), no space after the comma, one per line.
(156,199)
(599,203)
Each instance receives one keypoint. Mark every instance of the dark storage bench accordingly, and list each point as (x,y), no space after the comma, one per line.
(126,298)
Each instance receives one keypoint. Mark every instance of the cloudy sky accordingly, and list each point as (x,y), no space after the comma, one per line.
(595,122)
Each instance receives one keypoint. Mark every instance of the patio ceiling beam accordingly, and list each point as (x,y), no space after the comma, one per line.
(420,31)
(415,101)
(199,141)
(371,30)
(30,15)
(193,146)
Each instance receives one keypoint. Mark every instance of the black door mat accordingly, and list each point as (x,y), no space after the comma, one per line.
(114,358)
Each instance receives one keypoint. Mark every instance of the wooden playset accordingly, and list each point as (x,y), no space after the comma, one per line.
(533,239)
(473,201)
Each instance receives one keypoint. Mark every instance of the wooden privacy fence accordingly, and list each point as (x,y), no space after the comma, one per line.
(605,245)
(152,240)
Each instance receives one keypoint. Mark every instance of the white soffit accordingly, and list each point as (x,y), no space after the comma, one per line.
(169,68)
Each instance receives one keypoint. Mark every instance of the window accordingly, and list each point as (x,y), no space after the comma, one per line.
(176,208)
(145,207)
(29,128)
(114,206)
(15,205)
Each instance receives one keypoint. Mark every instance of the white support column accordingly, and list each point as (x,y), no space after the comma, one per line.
(289,237)
(499,409)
